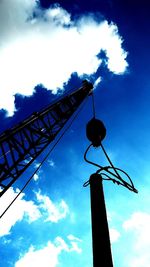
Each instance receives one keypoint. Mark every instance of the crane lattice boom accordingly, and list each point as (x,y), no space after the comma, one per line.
(20,145)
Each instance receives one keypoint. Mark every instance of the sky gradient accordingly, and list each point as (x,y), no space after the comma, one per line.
(47,48)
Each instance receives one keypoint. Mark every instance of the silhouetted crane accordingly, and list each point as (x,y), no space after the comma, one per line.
(22,144)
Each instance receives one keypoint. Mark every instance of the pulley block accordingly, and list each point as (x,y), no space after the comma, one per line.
(95,131)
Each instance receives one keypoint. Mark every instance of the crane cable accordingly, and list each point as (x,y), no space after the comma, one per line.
(93,104)
(44,159)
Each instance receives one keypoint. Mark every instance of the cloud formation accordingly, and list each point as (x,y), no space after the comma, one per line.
(48,255)
(46,46)
(21,209)
(138,227)
(52,212)
(114,235)
(18,210)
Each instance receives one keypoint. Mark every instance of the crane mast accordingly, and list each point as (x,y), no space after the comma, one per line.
(22,144)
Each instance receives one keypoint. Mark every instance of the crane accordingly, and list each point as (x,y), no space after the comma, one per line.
(23,143)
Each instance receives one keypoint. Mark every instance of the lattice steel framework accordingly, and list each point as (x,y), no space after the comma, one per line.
(20,145)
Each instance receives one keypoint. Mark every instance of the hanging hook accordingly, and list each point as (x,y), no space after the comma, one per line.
(88,161)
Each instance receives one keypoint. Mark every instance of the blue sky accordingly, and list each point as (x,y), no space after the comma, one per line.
(47,48)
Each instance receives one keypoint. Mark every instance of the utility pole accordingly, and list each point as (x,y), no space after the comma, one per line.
(100,233)
(96,132)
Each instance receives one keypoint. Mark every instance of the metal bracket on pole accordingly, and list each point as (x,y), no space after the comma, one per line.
(100,234)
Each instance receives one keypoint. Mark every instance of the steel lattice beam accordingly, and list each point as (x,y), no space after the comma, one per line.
(21,145)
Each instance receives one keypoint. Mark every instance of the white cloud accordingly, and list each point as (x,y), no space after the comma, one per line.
(37,166)
(58,14)
(51,163)
(72,237)
(17,211)
(98,80)
(53,212)
(138,226)
(114,235)
(43,50)
(6,241)
(48,255)
(74,242)
(36,177)
(22,208)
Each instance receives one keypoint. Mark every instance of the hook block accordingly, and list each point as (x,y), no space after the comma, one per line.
(95,131)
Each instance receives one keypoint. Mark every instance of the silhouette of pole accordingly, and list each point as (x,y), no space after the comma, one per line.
(100,233)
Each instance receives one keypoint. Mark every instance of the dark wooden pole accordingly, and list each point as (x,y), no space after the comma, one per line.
(100,234)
